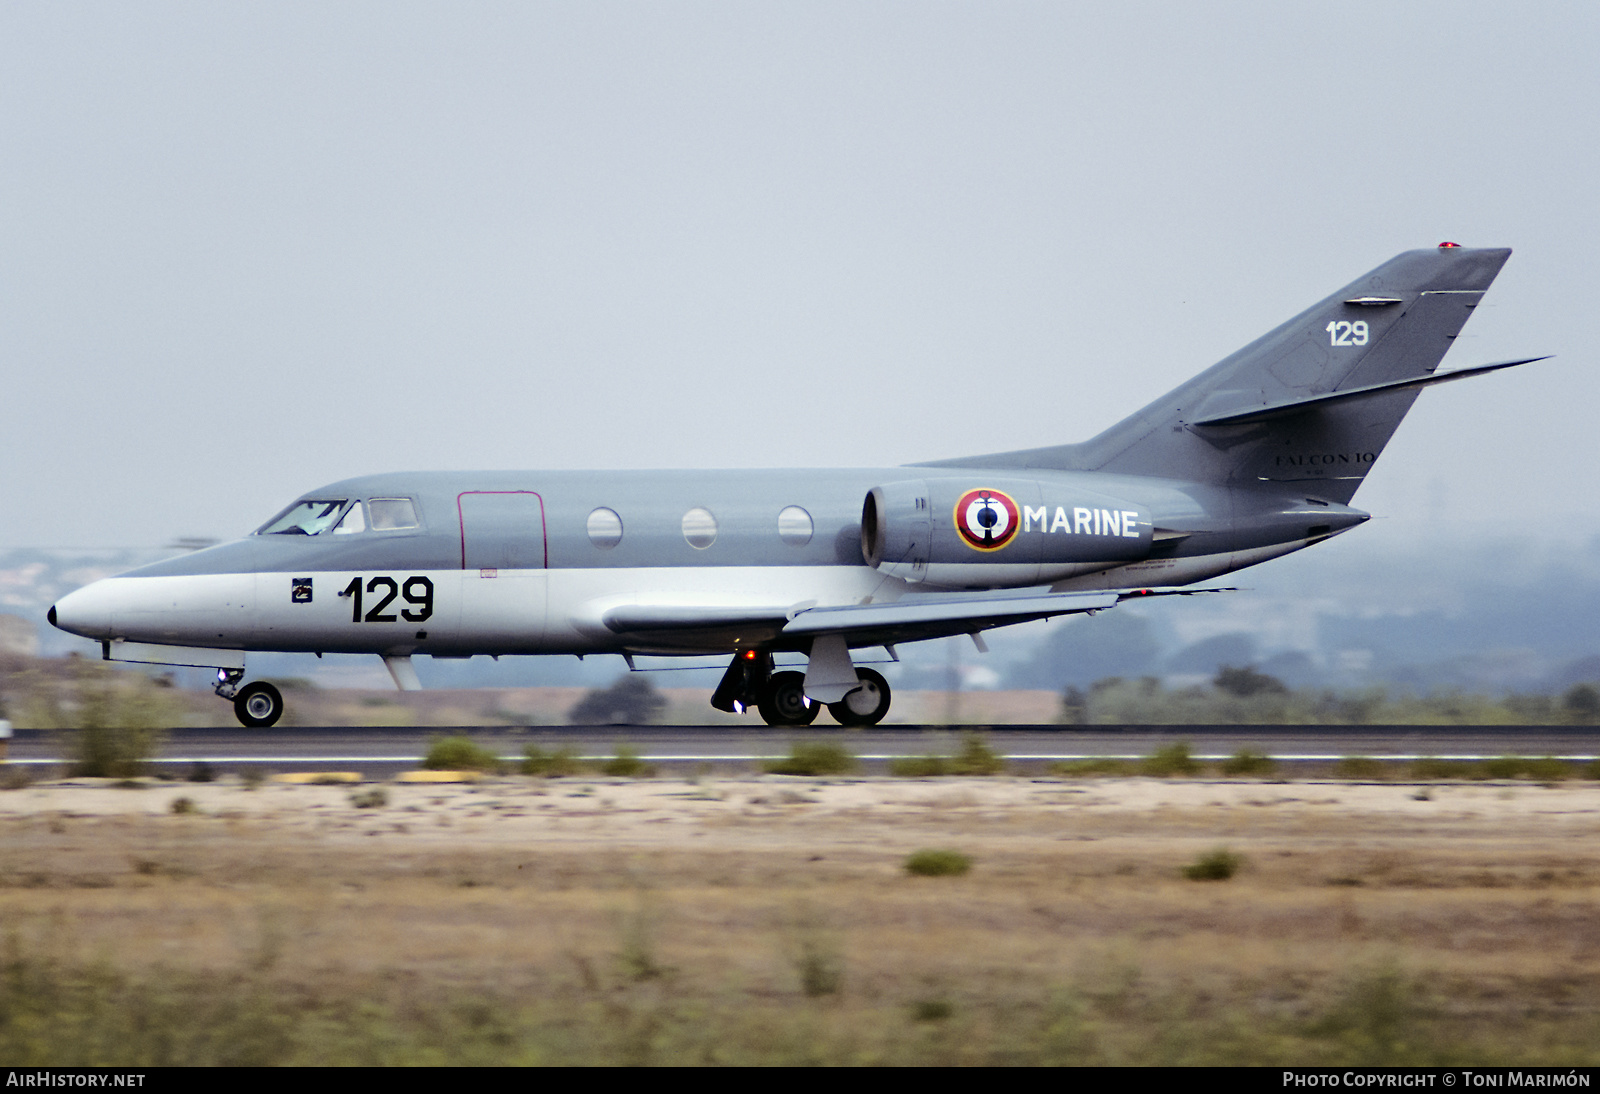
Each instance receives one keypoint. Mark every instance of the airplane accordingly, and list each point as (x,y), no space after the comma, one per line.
(1254,458)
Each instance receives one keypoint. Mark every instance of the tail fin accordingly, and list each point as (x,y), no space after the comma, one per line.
(1256,416)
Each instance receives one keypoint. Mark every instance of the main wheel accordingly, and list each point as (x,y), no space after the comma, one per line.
(866,705)
(785,702)
(258,705)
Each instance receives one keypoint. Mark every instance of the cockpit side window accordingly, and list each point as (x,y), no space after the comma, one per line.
(391,514)
(355,520)
(305,518)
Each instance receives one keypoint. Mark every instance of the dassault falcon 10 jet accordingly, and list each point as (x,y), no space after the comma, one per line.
(1258,456)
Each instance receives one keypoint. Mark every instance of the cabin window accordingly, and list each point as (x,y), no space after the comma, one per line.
(795,526)
(605,528)
(305,518)
(392,514)
(699,528)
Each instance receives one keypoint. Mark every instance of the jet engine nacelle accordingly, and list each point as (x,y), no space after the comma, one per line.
(988,532)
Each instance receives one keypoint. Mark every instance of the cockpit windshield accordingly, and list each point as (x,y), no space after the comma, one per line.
(306,518)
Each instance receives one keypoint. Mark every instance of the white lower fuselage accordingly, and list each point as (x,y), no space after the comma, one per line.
(530,611)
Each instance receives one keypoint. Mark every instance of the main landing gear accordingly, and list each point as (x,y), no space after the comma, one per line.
(864,706)
(781,696)
(257,705)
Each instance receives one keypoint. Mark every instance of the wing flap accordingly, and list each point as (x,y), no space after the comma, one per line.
(938,612)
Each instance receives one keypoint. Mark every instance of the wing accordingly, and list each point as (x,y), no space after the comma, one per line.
(909,619)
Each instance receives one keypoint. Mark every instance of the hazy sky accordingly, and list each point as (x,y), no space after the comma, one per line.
(250,249)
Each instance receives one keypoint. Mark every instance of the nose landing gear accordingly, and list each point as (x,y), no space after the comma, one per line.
(257,705)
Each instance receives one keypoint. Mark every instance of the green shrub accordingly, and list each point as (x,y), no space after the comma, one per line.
(937,863)
(1544,769)
(376,798)
(1360,767)
(1100,765)
(1173,759)
(1379,1018)
(919,767)
(626,764)
(183,805)
(813,758)
(821,968)
(550,765)
(459,754)
(1547,769)
(1245,762)
(637,958)
(1219,865)
(1431,767)
(114,721)
(976,757)
(1504,767)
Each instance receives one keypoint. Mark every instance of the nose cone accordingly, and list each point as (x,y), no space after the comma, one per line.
(86,612)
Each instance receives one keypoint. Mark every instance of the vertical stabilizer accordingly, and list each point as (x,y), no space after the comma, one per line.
(1394,323)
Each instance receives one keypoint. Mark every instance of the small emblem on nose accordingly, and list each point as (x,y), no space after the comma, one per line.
(300,590)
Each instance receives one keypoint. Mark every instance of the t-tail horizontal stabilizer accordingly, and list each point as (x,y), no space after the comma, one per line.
(1317,402)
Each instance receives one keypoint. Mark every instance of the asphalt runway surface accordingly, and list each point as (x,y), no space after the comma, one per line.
(387,750)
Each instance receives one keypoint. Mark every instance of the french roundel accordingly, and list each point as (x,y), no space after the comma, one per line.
(987,519)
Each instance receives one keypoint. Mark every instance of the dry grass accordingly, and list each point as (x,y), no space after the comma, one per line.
(740,921)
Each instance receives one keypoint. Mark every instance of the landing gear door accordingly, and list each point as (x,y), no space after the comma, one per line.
(504,560)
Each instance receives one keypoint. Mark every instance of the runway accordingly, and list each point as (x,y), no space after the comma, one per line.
(386,750)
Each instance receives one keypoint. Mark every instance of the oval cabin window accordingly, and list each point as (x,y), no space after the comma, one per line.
(605,528)
(699,528)
(795,526)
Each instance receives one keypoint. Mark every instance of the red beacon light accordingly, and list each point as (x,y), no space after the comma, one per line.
(1446,245)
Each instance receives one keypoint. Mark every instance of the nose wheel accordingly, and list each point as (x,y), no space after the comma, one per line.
(258,705)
